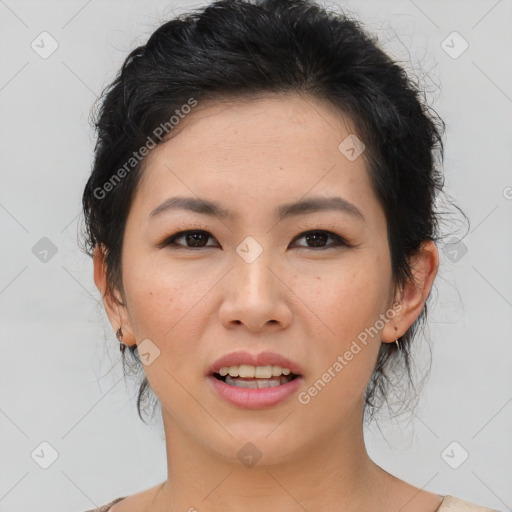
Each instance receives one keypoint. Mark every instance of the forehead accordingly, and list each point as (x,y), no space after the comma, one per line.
(280,126)
(271,149)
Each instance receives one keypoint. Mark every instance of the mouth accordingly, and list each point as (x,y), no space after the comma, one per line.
(255,381)
(255,377)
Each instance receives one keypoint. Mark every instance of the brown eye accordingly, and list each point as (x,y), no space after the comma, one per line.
(318,239)
(192,239)
(196,239)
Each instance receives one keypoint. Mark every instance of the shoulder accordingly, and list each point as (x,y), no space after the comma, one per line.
(107,506)
(454,504)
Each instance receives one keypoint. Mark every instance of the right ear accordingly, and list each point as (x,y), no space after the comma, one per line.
(110,302)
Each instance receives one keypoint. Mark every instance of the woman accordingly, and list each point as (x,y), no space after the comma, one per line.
(261,218)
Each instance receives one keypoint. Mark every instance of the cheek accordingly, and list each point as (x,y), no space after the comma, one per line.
(348,298)
(349,304)
(167,309)
(167,304)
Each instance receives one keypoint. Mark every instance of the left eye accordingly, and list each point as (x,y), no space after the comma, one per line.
(198,239)
(318,238)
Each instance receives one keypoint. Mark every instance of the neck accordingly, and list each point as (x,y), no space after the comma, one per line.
(333,473)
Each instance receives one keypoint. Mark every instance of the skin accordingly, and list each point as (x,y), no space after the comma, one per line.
(307,303)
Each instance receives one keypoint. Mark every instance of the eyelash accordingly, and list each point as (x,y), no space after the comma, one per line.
(338,240)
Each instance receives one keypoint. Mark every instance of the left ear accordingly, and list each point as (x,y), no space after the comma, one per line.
(412,296)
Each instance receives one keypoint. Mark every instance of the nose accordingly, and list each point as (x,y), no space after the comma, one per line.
(255,295)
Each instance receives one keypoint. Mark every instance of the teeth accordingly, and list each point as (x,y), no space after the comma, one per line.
(277,370)
(249,372)
(262,372)
(246,370)
(255,384)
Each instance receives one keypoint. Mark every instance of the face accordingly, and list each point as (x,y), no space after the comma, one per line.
(304,285)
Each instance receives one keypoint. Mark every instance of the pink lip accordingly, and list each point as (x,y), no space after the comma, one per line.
(255,398)
(261,359)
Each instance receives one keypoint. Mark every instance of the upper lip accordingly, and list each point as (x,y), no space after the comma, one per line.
(261,359)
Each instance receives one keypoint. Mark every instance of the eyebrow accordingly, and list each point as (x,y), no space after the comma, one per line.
(302,207)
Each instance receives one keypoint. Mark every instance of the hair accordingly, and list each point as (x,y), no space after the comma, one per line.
(235,49)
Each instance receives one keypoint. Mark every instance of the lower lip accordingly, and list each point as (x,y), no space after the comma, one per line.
(255,398)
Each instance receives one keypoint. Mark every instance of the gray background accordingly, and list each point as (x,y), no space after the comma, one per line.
(61,379)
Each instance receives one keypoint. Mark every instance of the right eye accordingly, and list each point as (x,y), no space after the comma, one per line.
(196,239)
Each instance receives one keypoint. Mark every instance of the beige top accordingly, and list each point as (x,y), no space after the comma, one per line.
(449,504)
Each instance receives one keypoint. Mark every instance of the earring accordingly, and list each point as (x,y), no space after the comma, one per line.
(119,336)
(396,340)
